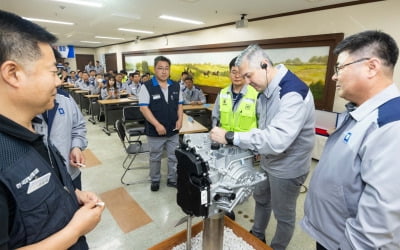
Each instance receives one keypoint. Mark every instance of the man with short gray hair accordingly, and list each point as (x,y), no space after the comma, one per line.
(284,139)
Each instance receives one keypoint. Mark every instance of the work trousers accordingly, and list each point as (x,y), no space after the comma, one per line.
(156,145)
(280,196)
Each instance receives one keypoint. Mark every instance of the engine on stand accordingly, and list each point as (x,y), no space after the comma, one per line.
(213,179)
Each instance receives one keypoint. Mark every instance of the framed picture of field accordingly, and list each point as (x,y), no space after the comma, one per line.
(309,57)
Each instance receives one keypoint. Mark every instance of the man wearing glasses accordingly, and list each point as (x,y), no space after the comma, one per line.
(235,106)
(352,202)
(160,101)
(284,139)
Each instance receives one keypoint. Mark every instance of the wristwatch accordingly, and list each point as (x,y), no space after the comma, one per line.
(229,137)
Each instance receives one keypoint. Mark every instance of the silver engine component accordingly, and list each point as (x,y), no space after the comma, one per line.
(231,177)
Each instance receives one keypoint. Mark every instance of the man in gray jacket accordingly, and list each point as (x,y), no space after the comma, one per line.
(65,127)
(353,200)
(284,139)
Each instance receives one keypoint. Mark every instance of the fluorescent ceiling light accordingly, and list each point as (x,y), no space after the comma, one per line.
(78,2)
(108,37)
(178,19)
(137,31)
(89,42)
(47,21)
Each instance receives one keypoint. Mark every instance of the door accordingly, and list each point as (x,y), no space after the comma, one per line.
(111,62)
(82,60)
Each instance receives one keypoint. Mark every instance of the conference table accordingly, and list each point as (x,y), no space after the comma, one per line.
(190,126)
(200,112)
(117,104)
(92,98)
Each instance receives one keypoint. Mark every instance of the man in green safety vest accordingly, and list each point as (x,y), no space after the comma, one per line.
(235,106)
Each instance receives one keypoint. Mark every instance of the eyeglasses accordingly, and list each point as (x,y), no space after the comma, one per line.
(162,69)
(339,67)
(235,73)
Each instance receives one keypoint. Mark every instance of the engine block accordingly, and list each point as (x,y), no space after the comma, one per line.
(213,178)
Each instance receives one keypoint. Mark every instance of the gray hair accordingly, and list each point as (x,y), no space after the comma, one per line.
(254,54)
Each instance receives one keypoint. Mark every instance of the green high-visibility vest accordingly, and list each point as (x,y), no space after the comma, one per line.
(244,118)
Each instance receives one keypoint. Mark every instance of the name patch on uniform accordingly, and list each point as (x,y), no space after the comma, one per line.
(156,97)
(61,111)
(346,138)
(38,183)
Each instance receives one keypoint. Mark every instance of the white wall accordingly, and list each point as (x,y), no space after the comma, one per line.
(349,20)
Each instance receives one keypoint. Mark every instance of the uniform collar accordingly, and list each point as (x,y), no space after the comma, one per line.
(358,113)
(13,129)
(155,82)
(272,86)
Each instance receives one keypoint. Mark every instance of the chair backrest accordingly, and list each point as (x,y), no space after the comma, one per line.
(120,131)
(132,113)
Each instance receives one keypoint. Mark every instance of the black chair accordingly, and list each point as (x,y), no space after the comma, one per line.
(133,121)
(132,148)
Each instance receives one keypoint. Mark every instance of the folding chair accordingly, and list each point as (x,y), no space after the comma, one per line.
(132,149)
(133,121)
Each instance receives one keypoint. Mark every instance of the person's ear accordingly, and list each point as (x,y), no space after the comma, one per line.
(11,73)
(374,65)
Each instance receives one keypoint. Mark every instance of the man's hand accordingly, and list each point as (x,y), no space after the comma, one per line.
(217,134)
(76,156)
(161,129)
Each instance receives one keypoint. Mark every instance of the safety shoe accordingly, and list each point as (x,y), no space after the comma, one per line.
(171,183)
(262,239)
(155,186)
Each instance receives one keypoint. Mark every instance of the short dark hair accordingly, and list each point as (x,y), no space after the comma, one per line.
(161,59)
(19,38)
(232,63)
(189,77)
(371,42)
(184,73)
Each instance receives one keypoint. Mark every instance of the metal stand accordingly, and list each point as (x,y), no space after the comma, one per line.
(213,232)
(189,233)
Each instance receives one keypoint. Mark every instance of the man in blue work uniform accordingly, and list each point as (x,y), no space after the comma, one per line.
(284,139)
(192,94)
(353,200)
(160,101)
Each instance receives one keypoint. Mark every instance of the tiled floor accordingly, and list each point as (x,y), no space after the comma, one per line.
(160,206)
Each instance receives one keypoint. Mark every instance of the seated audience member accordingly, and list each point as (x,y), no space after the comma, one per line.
(192,94)
(92,75)
(145,77)
(124,75)
(111,91)
(119,83)
(99,84)
(67,67)
(72,77)
(85,83)
(184,74)
(64,76)
(133,86)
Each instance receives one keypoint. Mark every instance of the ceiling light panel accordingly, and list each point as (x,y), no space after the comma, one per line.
(136,31)
(179,19)
(47,21)
(78,2)
(108,37)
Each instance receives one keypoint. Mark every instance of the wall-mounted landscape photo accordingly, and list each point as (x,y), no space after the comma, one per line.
(211,68)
